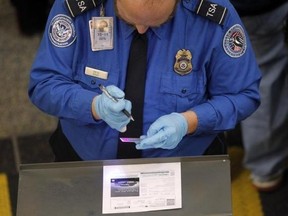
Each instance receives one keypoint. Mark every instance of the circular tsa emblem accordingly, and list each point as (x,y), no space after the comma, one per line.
(62,31)
(234,42)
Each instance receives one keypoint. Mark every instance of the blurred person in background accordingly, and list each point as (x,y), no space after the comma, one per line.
(32,15)
(264,134)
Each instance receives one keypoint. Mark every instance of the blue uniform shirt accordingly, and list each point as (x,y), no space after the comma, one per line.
(222,88)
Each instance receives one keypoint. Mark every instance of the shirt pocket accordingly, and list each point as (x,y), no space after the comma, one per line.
(92,83)
(181,93)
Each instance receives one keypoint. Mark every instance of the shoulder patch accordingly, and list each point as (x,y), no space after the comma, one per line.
(77,7)
(62,31)
(234,41)
(212,11)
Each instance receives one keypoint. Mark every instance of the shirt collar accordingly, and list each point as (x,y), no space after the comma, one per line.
(127,30)
(160,31)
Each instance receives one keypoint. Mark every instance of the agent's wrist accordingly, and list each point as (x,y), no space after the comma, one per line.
(192,121)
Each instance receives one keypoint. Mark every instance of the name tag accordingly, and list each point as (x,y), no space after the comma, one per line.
(96,73)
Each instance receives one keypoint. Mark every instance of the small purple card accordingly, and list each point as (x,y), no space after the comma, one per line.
(126,139)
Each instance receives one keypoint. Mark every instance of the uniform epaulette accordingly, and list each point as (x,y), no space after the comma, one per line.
(77,7)
(212,11)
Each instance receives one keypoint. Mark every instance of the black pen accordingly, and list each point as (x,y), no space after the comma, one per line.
(104,90)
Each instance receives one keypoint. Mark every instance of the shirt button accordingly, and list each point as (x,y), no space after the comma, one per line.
(93,82)
(184,91)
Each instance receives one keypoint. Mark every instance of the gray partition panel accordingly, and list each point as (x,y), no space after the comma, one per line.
(75,188)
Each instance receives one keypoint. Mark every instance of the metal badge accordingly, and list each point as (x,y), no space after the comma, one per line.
(183,64)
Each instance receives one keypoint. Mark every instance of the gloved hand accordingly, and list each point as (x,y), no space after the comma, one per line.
(110,111)
(166,132)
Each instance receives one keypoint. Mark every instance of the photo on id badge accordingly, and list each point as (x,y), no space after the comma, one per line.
(102,33)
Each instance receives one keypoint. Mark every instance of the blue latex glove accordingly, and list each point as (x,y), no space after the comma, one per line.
(110,111)
(166,132)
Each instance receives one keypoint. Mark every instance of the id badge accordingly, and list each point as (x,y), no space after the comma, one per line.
(101,33)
